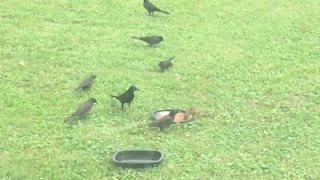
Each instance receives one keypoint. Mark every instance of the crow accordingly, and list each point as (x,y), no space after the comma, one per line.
(82,110)
(166,64)
(150,39)
(164,121)
(127,96)
(86,84)
(152,8)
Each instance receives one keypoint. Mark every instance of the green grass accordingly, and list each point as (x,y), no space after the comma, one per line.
(251,66)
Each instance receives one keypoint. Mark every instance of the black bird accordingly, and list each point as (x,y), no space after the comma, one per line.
(150,39)
(127,96)
(164,121)
(82,110)
(86,84)
(152,8)
(166,64)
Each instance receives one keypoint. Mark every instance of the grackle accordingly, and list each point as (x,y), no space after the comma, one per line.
(86,84)
(152,8)
(166,64)
(82,110)
(127,96)
(150,39)
(164,121)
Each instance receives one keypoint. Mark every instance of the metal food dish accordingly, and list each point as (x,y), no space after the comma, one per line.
(179,117)
(138,158)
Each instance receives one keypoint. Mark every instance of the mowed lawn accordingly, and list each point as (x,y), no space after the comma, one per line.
(252,67)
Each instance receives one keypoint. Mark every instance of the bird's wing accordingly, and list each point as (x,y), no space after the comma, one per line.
(152,7)
(146,38)
(127,97)
(83,109)
(84,83)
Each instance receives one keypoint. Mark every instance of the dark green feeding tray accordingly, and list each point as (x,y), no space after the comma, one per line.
(138,158)
(160,113)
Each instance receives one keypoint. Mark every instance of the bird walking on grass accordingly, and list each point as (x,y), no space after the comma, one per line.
(86,84)
(164,121)
(151,8)
(127,96)
(82,110)
(166,64)
(151,40)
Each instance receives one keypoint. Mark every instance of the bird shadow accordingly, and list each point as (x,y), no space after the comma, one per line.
(143,45)
(155,16)
(116,108)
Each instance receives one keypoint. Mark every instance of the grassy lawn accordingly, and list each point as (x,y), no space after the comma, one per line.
(251,66)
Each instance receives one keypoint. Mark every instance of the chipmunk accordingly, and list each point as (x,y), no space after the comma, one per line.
(192,114)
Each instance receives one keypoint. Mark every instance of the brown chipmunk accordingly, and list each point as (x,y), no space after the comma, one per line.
(192,114)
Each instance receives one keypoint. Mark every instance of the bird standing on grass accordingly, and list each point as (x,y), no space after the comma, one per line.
(166,64)
(150,39)
(127,96)
(164,121)
(86,84)
(81,111)
(152,8)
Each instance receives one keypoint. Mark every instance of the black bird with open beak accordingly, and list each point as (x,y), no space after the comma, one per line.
(127,96)
(151,8)
(82,110)
(86,84)
(164,121)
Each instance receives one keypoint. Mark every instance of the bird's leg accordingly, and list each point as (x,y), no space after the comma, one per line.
(162,131)
(161,128)
(85,117)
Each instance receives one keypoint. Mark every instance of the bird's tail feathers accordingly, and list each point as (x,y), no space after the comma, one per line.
(171,58)
(134,37)
(164,12)
(78,88)
(153,125)
(69,119)
(114,96)
(142,126)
